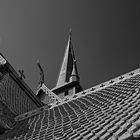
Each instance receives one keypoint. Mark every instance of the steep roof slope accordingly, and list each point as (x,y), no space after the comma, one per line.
(107,111)
(14,92)
(15,96)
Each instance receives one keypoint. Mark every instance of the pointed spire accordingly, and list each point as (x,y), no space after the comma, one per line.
(68,67)
(74,74)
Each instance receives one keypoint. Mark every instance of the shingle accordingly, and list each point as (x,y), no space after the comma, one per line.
(126,136)
(136,134)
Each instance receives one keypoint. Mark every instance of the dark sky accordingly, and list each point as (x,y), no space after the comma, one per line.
(105,36)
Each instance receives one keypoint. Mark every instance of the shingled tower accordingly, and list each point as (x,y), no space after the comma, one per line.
(68,79)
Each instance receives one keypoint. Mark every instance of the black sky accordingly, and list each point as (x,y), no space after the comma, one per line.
(105,36)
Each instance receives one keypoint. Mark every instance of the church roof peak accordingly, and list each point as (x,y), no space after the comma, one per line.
(68,65)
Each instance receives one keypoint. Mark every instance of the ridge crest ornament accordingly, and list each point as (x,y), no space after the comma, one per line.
(2,60)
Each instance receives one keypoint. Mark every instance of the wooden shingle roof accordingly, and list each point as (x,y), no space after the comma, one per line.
(109,111)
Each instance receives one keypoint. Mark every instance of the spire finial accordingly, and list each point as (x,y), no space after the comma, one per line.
(41,73)
(70,32)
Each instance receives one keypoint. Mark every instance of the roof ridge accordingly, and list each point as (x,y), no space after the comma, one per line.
(31,113)
(102,85)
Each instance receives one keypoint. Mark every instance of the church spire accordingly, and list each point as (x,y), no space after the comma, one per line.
(68,69)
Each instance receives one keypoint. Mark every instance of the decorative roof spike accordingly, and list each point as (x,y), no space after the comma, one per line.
(41,73)
(68,64)
(21,72)
(70,33)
